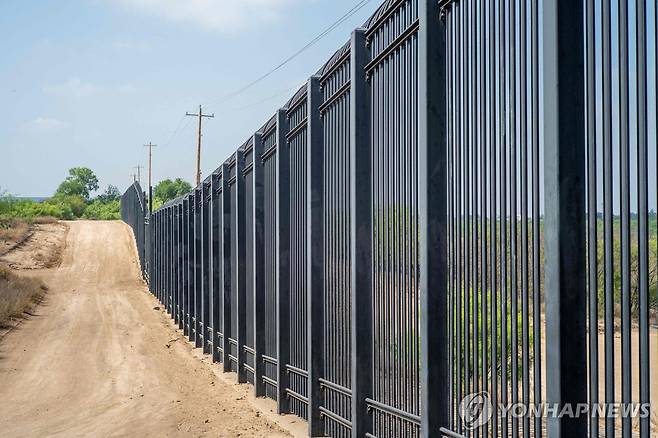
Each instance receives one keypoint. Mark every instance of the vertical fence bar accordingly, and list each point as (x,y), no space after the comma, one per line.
(361,231)
(625,212)
(642,81)
(259,266)
(315,257)
(607,212)
(283,265)
(564,179)
(432,216)
(592,236)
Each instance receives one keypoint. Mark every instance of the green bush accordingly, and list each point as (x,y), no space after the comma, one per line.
(74,204)
(99,210)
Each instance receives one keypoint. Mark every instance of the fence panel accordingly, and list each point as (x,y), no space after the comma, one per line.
(494,201)
(392,79)
(621,205)
(249,229)
(297,366)
(232,316)
(336,292)
(133,212)
(271,258)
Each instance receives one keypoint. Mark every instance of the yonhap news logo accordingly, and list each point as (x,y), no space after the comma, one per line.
(476,410)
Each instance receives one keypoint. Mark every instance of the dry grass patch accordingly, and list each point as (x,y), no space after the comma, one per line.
(13,231)
(18,294)
(45,220)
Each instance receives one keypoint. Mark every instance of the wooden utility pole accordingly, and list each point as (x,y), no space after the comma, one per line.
(201,115)
(150,146)
(134,176)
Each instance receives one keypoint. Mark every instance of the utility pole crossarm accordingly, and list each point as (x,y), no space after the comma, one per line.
(201,116)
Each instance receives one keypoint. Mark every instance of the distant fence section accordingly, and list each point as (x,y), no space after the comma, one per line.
(134,212)
(456,204)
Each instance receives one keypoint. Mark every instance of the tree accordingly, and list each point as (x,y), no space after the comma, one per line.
(166,190)
(81,182)
(110,194)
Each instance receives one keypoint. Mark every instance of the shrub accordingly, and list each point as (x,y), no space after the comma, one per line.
(99,210)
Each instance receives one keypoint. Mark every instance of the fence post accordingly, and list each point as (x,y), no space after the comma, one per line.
(226,268)
(283,264)
(361,231)
(315,257)
(240,268)
(564,179)
(259,266)
(432,212)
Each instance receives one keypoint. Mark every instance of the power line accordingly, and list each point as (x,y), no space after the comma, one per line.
(356,8)
(308,45)
(175,131)
(266,99)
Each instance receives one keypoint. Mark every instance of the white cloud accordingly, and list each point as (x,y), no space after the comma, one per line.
(214,15)
(46,124)
(74,88)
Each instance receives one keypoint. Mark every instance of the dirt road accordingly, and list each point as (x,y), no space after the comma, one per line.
(98,360)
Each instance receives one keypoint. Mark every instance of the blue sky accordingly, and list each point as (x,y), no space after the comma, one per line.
(88,82)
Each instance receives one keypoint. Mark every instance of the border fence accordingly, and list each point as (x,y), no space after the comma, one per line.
(134,212)
(459,203)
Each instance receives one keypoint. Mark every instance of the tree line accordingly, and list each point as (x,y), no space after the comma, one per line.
(78,197)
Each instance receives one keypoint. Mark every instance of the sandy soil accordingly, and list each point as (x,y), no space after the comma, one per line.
(42,249)
(98,360)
